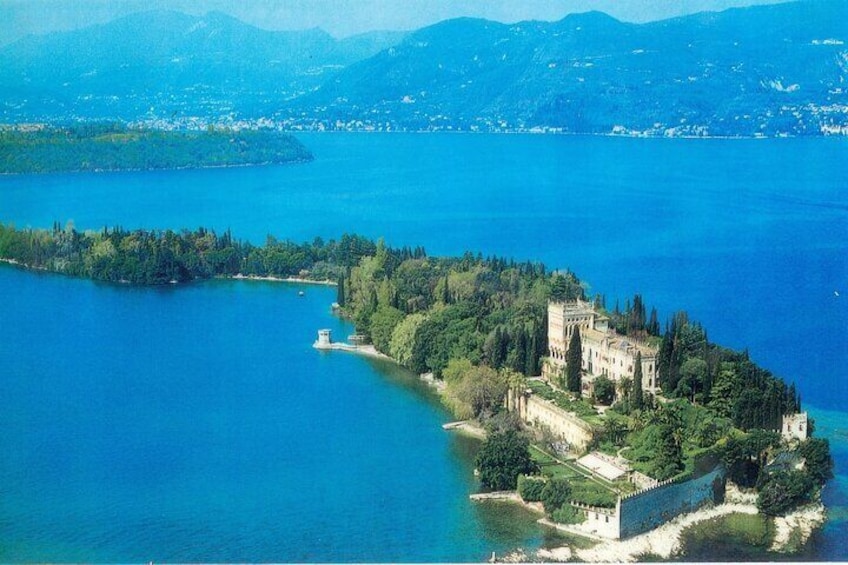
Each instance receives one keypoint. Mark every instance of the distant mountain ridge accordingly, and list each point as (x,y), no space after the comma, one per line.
(738,72)
(152,57)
(764,70)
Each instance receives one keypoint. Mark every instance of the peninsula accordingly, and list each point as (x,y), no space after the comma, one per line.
(613,424)
(107,146)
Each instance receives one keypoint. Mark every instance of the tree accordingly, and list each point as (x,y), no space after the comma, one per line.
(666,369)
(654,324)
(402,343)
(383,323)
(564,287)
(454,376)
(748,409)
(555,494)
(615,428)
(482,389)
(745,456)
(782,491)
(668,458)
(636,316)
(604,390)
(502,458)
(446,299)
(637,398)
(495,347)
(693,372)
(516,359)
(818,462)
(725,390)
(573,361)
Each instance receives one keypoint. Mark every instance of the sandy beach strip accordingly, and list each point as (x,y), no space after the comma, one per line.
(298,280)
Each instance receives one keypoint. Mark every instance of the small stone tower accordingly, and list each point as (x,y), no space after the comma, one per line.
(324,340)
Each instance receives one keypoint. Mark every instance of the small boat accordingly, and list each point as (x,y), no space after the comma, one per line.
(301,293)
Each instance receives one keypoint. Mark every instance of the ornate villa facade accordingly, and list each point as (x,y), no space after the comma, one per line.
(604,351)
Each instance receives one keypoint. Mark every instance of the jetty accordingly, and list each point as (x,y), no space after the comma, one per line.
(466,427)
(325,343)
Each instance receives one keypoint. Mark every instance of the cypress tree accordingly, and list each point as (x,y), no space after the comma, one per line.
(503,345)
(573,361)
(637,396)
(654,324)
(518,356)
(340,298)
(664,359)
(791,405)
(532,361)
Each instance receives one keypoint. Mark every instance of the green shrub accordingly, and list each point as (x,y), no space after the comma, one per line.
(530,488)
(567,514)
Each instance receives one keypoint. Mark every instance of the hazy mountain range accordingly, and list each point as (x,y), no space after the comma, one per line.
(770,70)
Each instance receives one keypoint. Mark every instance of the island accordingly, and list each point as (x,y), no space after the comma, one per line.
(95,146)
(611,425)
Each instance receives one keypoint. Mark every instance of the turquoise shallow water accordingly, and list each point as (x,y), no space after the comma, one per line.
(197,424)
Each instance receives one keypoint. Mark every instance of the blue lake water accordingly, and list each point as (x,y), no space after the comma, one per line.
(197,423)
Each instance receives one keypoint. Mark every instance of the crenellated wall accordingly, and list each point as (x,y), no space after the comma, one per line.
(601,522)
(647,509)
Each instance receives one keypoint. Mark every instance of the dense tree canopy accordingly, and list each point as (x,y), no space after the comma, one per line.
(160,257)
(818,463)
(782,491)
(491,312)
(112,147)
(727,381)
(555,494)
(502,458)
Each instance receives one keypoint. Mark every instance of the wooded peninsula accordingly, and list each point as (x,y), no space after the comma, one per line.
(116,147)
(479,324)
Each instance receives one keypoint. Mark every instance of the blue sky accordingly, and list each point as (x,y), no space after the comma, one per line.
(339,17)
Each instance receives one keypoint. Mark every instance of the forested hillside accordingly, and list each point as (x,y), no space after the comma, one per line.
(760,71)
(114,147)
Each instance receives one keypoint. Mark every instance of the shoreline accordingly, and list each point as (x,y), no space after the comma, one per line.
(237,277)
(364,350)
(791,532)
(158,169)
(469,428)
(24,266)
(269,278)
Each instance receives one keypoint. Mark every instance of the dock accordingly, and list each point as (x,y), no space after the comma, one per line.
(453,425)
(325,343)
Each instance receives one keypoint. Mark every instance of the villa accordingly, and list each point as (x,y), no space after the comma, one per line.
(604,351)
